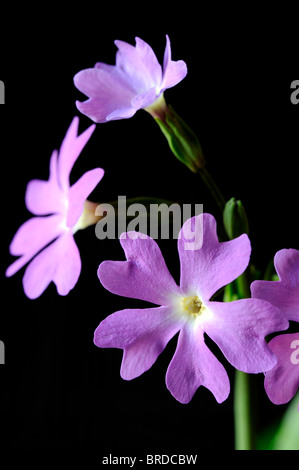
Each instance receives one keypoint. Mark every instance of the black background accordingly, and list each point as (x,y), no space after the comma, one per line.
(57,390)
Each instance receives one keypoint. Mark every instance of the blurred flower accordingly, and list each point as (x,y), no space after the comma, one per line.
(282,382)
(284,293)
(136,81)
(64,210)
(237,327)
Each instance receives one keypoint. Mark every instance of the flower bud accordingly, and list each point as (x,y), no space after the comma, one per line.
(235,219)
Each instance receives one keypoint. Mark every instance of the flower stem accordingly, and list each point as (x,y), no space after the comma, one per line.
(242,285)
(244,438)
(213,188)
(243,416)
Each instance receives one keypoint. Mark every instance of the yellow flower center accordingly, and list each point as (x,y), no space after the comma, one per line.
(192,305)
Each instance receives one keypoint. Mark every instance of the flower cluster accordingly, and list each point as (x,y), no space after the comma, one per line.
(238,327)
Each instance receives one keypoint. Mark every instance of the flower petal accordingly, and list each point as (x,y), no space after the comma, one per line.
(144,99)
(46,197)
(101,112)
(286,299)
(239,329)
(282,382)
(143,276)
(141,333)
(104,81)
(70,149)
(79,192)
(108,91)
(173,71)
(286,262)
(59,262)
(140,64)
(31,237)
(68,268)
(193,365)
(284,293)
(206,264)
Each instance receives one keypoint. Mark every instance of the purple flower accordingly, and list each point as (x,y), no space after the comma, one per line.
(49,239)
(136,81)
(283,293)
(282,382)
(238,327)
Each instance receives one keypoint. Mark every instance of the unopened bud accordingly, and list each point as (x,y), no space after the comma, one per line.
(235,219)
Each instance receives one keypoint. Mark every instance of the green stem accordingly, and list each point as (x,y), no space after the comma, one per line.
(244,436)
(243,416)
(213,188)
(242,286)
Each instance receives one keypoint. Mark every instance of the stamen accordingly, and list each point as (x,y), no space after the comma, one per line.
(192,305)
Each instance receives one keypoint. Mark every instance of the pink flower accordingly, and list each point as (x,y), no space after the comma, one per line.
(238,327)
(136,81)
(49,240)
(282,382)
(285,292)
